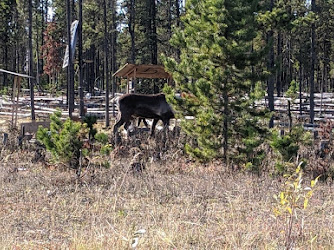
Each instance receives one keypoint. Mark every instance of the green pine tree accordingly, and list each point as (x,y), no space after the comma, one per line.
(63,140)
(216,79)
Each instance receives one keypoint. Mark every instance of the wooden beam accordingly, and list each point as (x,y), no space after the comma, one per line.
(14,73)
(134,82)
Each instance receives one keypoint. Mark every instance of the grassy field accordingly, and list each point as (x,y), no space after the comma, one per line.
(175,205)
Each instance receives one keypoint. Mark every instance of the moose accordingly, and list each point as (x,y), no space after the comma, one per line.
(132,106)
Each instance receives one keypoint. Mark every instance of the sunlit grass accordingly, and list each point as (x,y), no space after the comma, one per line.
(178,205)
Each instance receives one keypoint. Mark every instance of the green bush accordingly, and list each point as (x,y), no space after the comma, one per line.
(106,149)
(101,138)
(90,120)
(287,145)
(5,91)
(63,140)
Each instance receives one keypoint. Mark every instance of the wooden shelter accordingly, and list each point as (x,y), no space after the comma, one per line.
(145,71)
(16,92)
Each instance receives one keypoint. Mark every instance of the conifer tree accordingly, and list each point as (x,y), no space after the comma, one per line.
(215,78)
(5,27)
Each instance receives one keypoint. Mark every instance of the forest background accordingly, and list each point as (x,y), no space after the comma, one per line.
(226,57)
(217,52)
(139,32)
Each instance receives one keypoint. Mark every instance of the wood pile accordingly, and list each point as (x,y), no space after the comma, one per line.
(300,110)
(47,104)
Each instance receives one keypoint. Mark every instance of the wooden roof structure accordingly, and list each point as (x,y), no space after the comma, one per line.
(14,73)
(147,71)
(16,94)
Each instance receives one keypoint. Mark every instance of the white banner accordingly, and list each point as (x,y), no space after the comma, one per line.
(74,38)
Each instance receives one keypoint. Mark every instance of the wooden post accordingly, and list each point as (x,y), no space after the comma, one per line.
(290,116)
(18,83)
(127,85)
(113,94)
(13,101)
(134,83)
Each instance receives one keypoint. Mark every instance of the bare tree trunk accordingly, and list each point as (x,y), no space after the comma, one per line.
(73,11)
(270,66)
(81,87)
(70,75)
(225,124)
(44,21)
(90,72)
(300,87)
(31,81)
(271,82)
(97,63)
(154,42)
(113,49)
(177,6)
(326,63)
(290,61)
(279,71)
(132,23)
(37,54)
(106,61)
(169,25)
(313,58)
(5,59)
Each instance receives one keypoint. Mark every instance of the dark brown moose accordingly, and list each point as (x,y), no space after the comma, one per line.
(132,106)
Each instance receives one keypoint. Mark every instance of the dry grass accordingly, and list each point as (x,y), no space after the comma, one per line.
(180,205)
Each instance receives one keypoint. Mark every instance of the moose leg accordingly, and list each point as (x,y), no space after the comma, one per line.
(165,134)
(126,125)
(145,122)
(155,121)
(119,123)
(117,137)
(139,121)
(166,126)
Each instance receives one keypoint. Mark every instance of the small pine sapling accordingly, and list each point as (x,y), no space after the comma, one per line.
(63,140)
(287,146)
